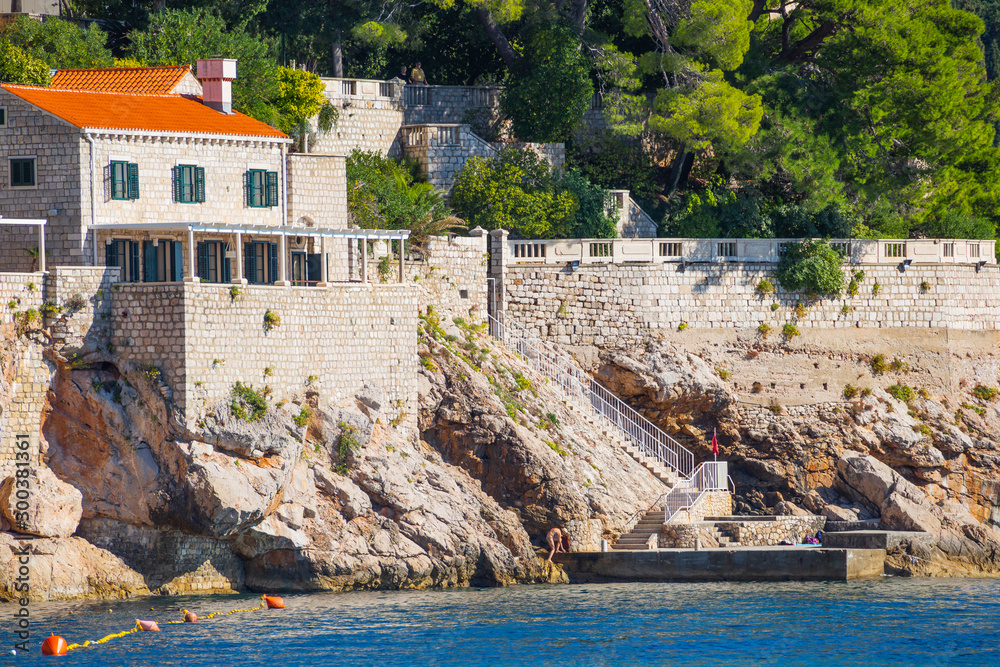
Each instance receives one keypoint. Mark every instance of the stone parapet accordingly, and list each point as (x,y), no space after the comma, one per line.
(453,275)
(771,530)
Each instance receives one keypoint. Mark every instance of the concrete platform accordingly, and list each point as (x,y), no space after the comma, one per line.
(794,563)
(874,539)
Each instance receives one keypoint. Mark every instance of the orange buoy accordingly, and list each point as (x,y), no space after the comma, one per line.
(147,626)
(54,645)
(190,617)
(274,602)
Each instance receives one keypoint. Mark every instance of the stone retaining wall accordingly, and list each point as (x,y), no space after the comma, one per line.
(20,292)
(612,305)
(176,563)
(453,276)
(334,340)
(772,532)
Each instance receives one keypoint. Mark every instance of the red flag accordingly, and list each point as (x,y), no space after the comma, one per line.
(715,444)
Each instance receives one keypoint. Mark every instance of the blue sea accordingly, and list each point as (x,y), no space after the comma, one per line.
(886,621)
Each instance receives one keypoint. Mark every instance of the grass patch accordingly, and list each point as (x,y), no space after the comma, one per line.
(247,403)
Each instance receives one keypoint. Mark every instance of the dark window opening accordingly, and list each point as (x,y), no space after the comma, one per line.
(22,172)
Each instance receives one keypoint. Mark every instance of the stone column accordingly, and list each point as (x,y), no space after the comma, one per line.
(41,248)
(498,268)
(283,264)
(239,278)
(364,260)
(323,282)
(402,268)
(190,276)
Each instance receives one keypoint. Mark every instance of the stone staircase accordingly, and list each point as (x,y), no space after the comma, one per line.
(648,526)
(658,470)
(722,536)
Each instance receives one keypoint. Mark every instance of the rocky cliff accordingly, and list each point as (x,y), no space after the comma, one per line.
(889,453)
(308,495)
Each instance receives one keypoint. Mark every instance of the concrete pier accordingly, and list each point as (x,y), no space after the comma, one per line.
(802,563)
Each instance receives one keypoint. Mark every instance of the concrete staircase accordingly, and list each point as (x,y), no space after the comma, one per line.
(660,471)
(638,539)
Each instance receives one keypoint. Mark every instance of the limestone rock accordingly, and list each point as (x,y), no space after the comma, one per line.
(65,569)
(54,507)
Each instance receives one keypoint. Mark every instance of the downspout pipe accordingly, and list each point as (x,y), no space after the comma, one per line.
(284,185)
(93,189)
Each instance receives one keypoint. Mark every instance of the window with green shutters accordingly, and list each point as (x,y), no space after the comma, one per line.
(124,180)
(22,172)
(124,253)
(261,188)
(189,184)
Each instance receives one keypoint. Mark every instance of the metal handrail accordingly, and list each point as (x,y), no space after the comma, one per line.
(586,391)
(708,476)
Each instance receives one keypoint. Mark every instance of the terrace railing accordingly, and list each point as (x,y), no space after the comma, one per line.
(709,476)
(590,394)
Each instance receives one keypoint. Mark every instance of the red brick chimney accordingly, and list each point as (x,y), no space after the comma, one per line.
(217,75)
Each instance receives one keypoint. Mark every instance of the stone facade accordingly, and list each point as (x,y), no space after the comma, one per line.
(333,340)
(371,114)
(60,155)
(769,531)
(20,292)
(317,190)
(171,561)
(442,150)
(453,275)
(623,304)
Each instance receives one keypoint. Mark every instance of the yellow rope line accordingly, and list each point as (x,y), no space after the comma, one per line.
(262,605)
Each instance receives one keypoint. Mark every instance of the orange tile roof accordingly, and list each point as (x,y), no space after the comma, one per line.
(152,113)
(150,80)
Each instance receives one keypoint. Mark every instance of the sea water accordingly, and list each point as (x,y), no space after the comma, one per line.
(885,621)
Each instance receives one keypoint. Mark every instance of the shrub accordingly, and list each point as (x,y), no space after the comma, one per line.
(876,288)
(50,308)
(765,287)
(774,307)
(925,287)
(384,268)
(247,403)
(984,393)
(852,287)
(850,391)
(348,441)
(302,418)
(682,326)
(271,320)
(878,364)
(898,366)
(845,309)
(756,388)
(975,408)
(75,303)
(790,331)
(723,373)
(866,392)
(923,393)
(234,293)
(901,392)
(764,329)
(268,371)
(811,266)
(858,275)
(800,310)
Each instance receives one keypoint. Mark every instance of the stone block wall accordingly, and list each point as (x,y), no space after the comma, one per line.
(771,532)
(28,389)
(177,563)
(317,190)
(87,328)
(203,341)
(60,155)
(441,157)
(446,104)
(23,291)
(453,276)
(626,304)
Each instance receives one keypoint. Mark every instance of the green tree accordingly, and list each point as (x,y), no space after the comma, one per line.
(177,37)
(514,190)
(812,267)
(16,66)
(548,92)
(592,220)
(59,44)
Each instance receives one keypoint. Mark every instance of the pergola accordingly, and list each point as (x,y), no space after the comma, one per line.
(40,223)
(322,233)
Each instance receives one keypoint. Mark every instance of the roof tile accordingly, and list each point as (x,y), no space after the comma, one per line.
(153,113)
(149,80)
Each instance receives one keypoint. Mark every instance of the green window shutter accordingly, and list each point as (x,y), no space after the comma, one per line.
(202,260)
(227,275)
(248,187)
(272,188)
(273,256)
(177,256)
(249,267)
(133,181)
(134,264)
(111,254)
(177,183)
(149,262)
(199,184)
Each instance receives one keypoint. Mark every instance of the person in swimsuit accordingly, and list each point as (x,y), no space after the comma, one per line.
(558,542)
